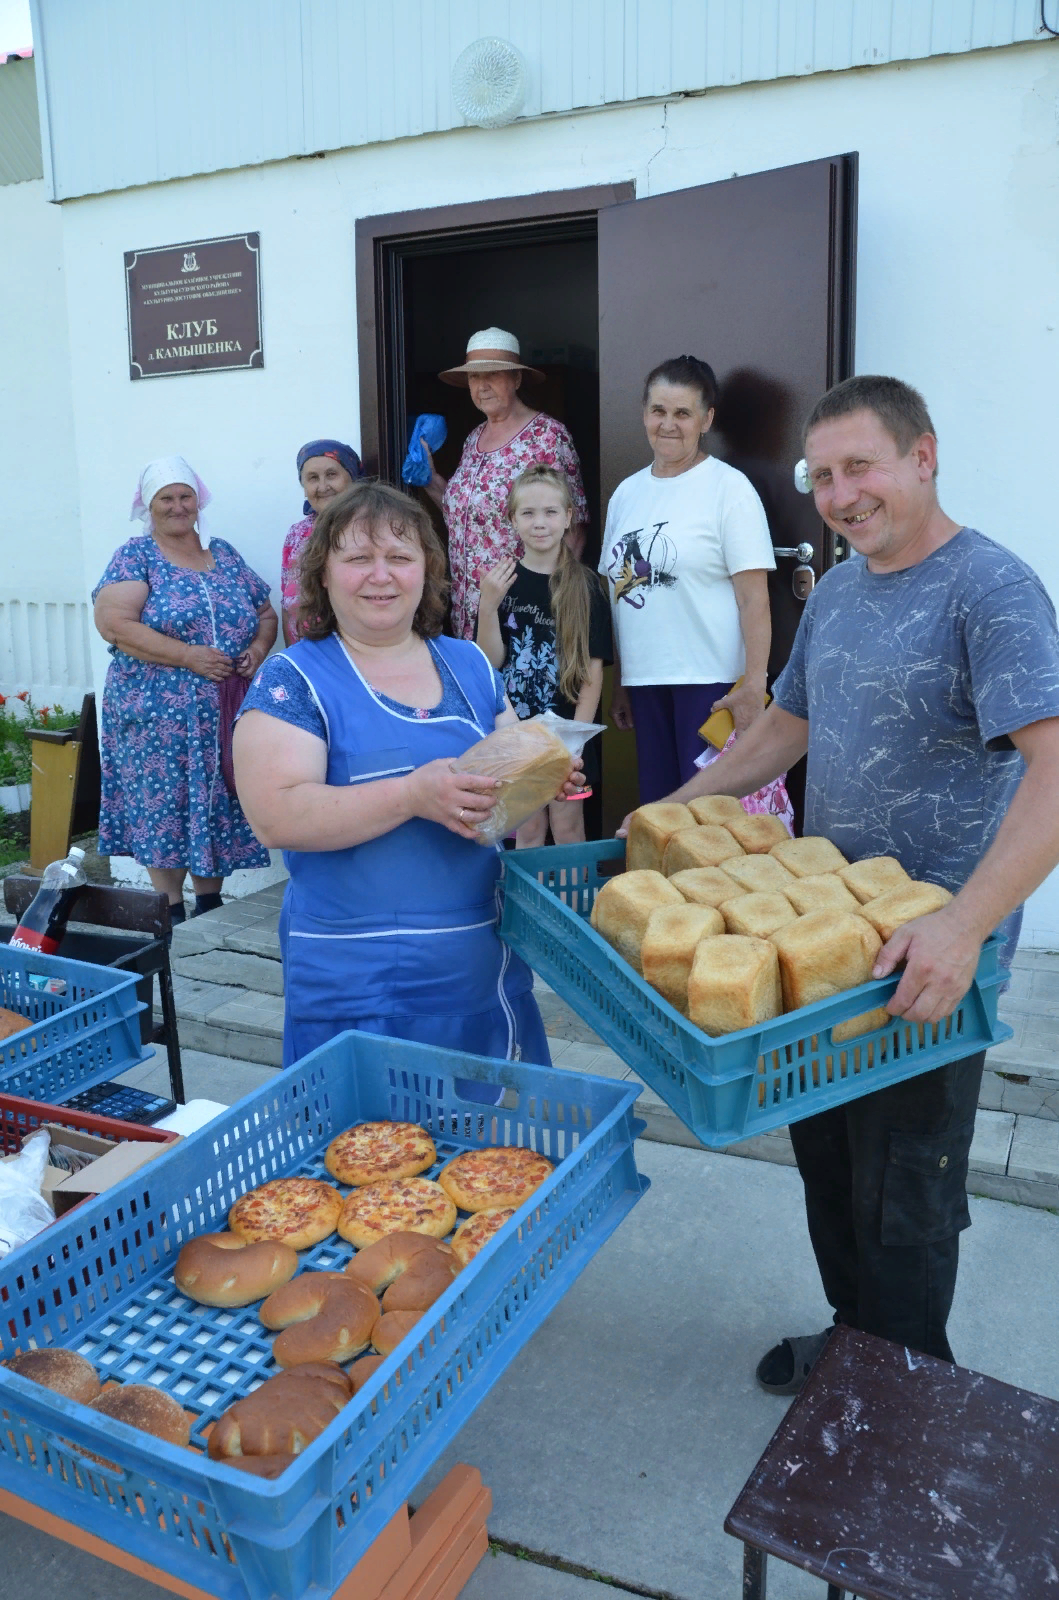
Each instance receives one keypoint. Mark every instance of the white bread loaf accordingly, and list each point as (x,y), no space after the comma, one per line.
(623,906)
(734,983)
(650,830)
(530,765)
(705,846)
(757,834)
(874,876)
(825,892)
(824,954)
(809,857)
(759,874)
(892,910)
(668,947)
(705,886)
(757,914)
(716,808)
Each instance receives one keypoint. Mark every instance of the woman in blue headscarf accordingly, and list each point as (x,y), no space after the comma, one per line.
(326,467)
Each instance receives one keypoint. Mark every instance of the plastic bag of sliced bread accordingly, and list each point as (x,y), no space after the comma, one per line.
(531,762)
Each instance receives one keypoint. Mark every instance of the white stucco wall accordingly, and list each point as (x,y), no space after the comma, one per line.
(958,283)
(43,618)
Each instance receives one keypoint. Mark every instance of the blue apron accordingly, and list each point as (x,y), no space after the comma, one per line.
(399,935)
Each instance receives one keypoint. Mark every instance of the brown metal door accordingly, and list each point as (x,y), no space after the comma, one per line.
(756,276)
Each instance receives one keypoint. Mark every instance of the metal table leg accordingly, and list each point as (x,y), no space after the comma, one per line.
(755,1573)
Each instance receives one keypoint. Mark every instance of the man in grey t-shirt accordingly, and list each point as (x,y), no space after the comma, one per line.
(924,685)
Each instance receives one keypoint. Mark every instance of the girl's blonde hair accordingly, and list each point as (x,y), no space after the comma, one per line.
(570,586)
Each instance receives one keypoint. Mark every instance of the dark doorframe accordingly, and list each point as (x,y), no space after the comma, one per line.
(382,245)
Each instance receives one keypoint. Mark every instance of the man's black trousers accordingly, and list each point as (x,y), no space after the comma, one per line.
(886,1200)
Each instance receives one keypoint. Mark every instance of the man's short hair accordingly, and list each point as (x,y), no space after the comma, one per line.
(900,408)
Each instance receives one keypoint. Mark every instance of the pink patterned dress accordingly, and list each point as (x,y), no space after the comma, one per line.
(293,545)
(476,499)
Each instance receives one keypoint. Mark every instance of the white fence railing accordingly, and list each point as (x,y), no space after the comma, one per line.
(44,647)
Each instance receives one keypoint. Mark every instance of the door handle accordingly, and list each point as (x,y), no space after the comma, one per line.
(802,553)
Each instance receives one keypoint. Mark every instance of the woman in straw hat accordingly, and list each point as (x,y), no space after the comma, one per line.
(512,437)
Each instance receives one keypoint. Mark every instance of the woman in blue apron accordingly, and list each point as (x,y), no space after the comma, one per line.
(343,758)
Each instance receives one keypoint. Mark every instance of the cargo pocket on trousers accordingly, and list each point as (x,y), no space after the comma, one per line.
(925,1186)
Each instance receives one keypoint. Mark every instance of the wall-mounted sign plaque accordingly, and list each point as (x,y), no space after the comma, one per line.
(194,307)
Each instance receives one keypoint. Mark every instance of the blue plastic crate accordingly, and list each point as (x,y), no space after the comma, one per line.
(100,1282)
(88,1033)
(728,1088)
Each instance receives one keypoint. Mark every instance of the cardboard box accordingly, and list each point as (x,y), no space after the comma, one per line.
(111,1162)
(100,1175)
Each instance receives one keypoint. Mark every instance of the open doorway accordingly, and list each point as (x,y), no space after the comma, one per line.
(756,273)
(541,285)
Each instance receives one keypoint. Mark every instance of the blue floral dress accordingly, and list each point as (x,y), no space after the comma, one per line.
(165,802)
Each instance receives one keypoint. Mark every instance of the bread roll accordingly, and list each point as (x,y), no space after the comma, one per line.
(705,886)
(427,1278)
(809,857)
(716,808)
(324,1316)
(282,1417)
(623,906)
(893,909)
(825,892)
(757,914)
(382,1263)
(824,954)
(704,846)
(391,1328)
(221,1269)
(530,765)
(759,874)
(151,1410)
(669,945)
(11,1022)
(734,983)
(362,1370)
(62,1370)
(650,830)
(757,834)
(872,877)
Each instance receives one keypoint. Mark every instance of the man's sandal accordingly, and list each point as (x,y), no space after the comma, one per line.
(784,1369)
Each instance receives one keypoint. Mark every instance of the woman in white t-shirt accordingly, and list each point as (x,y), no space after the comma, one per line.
(686,552)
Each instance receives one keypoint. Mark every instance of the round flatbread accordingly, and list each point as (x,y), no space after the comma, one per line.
(410,1205)
(374,1151)
(476,1231)
(299,1211)
(481,1180)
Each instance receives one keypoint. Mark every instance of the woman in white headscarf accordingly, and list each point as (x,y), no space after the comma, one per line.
(186,619)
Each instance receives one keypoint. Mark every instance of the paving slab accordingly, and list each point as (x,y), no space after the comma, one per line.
(638,1418)
(206,1076)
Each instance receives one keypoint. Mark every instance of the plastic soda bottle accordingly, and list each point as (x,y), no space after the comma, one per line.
(43,923)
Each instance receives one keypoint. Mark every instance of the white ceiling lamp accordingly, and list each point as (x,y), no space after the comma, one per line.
(489,81)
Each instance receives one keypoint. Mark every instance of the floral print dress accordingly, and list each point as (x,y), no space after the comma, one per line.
(475,506)
(165,802)
(293,545)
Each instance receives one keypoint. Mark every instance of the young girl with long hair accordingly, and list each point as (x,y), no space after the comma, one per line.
(544,622)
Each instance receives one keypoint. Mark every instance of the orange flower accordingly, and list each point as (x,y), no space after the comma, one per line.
(23,694)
